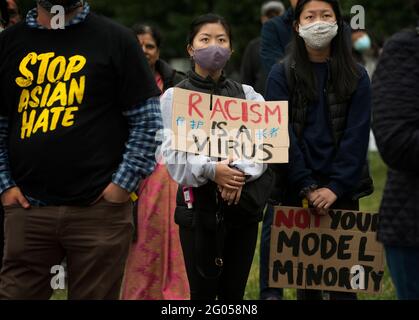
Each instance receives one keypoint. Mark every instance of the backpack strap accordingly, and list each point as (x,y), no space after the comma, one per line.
(289,67)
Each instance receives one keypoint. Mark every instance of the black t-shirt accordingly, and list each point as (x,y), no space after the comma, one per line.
(64,92)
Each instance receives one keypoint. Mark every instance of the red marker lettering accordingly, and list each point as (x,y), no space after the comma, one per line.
(194,99)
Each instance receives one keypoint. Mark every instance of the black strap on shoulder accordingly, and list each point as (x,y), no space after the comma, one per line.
(289,67)
(182,84)
(240,89)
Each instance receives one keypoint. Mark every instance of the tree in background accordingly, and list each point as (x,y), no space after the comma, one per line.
(383,18)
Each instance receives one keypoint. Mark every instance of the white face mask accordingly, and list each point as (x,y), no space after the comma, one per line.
(318,35)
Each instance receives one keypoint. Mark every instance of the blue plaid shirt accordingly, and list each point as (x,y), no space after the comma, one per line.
(144,121)
(31,17)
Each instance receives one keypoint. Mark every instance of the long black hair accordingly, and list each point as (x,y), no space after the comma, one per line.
(202,20)
(344,71)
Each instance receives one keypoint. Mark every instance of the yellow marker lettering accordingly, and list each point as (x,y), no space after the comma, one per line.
(59,94)
(45,95)
(27,78)
(75,64)
(44,58)
(68,118)
(76,90)
(55,117)
(23,101)
(42,121)
(27,124)
(34,102)
(52,69)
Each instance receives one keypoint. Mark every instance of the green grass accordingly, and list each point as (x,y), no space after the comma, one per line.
(59,295)
(368,204)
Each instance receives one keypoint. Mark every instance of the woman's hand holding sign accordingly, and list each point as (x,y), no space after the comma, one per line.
(230,182)
(322,198)
(227,177)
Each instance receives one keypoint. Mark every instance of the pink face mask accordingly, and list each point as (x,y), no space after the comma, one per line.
(212,58)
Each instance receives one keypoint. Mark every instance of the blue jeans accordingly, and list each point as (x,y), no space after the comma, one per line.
(265,291)
(403,263)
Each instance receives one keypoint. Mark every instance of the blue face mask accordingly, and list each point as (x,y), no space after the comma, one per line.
(363,44)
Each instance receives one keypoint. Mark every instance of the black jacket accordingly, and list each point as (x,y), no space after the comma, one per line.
(338,108)
(251,72)
(275,37)
(170,76)
(224,87)
(396,128)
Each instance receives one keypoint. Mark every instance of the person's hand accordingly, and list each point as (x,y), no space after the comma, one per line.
(227,177)
(115,194)
(322,198)
(231,196)
(14,196)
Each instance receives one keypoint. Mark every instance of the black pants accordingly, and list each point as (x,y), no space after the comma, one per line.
(239,248)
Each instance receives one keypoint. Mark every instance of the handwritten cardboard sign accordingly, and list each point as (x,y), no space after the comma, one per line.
(336,252)
(224,127)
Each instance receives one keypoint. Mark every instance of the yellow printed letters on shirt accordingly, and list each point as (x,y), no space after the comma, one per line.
(51,85)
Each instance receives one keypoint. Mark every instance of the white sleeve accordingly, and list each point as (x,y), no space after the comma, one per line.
(251,94)
(185,169)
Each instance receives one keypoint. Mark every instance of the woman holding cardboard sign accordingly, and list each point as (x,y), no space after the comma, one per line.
(219,203)
(330,105)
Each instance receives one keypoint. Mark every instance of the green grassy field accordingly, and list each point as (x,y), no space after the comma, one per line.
(369,204)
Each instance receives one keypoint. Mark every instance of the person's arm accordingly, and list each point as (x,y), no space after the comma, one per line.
(396,106)
(6,181)
(191,170)
(185,169)
(352,152)
(139,159)
(271,48)
(299,175)
(10,193)
(253,170)
(136,95)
